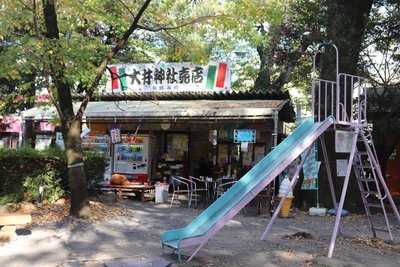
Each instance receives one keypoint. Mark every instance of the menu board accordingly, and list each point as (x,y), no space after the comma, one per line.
(131,155)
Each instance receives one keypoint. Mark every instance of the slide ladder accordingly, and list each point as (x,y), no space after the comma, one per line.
(369,184)
(211,220)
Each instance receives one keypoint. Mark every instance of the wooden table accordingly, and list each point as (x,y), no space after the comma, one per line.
(128,190)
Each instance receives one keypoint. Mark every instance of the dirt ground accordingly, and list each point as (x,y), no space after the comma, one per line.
(133,235)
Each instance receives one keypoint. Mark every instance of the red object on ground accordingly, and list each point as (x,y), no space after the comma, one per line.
(393,173)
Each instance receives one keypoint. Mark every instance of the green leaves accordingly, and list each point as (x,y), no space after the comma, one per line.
(179,31)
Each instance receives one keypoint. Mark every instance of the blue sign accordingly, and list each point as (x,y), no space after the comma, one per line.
(244,135)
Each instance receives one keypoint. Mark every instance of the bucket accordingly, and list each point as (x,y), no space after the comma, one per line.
(287,203)
(161,192)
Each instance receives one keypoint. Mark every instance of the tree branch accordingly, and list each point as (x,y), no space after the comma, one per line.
(159,28)
(127,8)
(107,58)
(25,5)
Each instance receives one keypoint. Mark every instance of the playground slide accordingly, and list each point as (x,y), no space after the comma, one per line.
(242,192)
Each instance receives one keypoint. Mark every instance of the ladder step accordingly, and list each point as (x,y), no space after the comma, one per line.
(366,180)
(375,194)
(374,205)
(381,229)
(367,166)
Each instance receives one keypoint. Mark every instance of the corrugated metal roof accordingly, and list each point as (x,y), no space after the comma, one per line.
(203,95)
(200,109)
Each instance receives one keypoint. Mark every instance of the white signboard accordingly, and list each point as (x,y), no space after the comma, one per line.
(167,77)
(341,167)
(343,140)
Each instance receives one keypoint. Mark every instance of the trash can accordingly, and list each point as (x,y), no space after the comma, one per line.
(285,210)
(161,192)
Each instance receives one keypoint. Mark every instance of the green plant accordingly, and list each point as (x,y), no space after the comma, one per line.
(23,168)
(95,164)
(43,186)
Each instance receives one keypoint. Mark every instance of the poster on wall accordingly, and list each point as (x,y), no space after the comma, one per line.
(310,169)
(177,147)
(131,155)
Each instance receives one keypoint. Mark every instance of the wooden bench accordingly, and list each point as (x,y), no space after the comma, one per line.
(9,222)
(128,190)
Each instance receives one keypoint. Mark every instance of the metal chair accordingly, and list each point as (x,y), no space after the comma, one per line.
(222,188)
(177,184)
(192,189)
(199,186)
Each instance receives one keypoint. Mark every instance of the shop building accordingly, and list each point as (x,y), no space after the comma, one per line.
(155,135)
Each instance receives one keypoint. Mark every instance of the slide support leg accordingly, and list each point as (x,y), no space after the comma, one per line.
(195,252)
(292,185)
(328,171)
(343,195)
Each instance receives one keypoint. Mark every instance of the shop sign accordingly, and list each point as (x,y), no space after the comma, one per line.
(167,77)
(244,135)
(115,135)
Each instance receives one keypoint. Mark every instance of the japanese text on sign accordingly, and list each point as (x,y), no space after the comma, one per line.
(167,77)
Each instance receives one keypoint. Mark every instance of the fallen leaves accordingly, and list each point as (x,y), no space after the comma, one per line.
(59,211)
(379,244)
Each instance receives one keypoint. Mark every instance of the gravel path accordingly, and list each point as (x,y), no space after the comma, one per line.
(136,236)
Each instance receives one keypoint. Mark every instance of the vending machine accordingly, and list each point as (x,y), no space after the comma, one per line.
(131,157)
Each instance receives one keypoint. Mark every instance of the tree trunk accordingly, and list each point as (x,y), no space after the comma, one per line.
(76,172)
(71,126)
(262,82)
(70,122)
(347,20)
